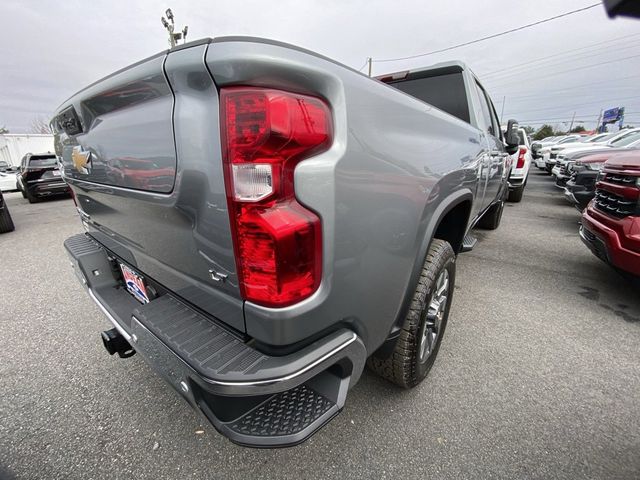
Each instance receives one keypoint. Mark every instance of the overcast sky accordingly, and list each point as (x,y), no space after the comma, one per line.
(52,49)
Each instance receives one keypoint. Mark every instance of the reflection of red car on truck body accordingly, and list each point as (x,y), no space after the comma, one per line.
(611,222)
(140,173)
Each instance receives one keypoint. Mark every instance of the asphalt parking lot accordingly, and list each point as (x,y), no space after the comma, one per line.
(538,375)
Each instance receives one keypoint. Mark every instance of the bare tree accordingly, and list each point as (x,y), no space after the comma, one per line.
(3,130)
(40,125)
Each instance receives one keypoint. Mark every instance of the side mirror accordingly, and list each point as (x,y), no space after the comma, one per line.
(511,137)
(628,8)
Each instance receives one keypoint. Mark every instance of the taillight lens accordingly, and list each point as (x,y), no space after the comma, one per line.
(277,241)
(521,153)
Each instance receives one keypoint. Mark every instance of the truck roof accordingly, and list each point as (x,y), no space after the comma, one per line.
(440,68)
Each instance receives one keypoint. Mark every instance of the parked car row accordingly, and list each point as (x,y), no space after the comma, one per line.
(549,155)
(600,176)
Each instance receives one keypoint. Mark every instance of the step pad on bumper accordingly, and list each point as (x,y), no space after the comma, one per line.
(287,413)
(213,369)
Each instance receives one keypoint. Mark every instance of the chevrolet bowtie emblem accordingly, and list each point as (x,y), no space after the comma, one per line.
(81,159)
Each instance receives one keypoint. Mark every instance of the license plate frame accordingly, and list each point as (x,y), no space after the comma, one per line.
(134,282)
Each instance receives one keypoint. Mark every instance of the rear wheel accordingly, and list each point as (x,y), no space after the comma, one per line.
(31,197)
(423,328)
(6,223)
(491,218)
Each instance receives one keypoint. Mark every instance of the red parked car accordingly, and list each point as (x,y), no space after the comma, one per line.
(611,221)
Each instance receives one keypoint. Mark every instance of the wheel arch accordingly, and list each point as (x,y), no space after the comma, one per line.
(445,224)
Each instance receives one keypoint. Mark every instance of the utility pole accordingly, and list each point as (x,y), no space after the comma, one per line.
(572,119)
(598,122)
(504,99)
(170,26)
(369,61)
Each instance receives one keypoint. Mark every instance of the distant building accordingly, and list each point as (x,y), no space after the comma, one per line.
(14,146)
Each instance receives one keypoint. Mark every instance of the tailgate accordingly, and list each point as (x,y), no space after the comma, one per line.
(141,151)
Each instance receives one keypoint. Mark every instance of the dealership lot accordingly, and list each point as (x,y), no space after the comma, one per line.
(537,376)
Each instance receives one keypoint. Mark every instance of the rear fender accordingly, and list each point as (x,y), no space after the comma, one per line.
(445,206)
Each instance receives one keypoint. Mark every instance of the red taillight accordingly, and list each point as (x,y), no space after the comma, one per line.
(277,241)
(521,153)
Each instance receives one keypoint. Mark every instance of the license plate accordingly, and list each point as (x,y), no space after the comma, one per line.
(56,173)
(135,284)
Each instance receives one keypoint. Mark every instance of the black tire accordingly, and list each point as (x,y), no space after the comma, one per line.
(6,223)
(516,195)
(404,366)
(491,218)
(31,197)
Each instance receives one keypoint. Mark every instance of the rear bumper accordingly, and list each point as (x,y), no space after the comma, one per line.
(44,189)
(517,179)
(253,398)
(606,244)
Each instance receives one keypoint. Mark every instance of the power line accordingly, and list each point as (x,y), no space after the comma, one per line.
(561,63)
(517,66)
(584,85)
(567,93)
(365,64)
(564,119)
(575,58)
(495,35)
(572,106)
(571,70)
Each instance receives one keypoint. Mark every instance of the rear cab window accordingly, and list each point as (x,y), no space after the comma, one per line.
(43,161)
(441,87)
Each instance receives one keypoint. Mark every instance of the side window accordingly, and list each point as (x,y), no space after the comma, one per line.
(484,110)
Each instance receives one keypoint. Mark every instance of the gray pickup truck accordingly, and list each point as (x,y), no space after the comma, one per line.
(262,221)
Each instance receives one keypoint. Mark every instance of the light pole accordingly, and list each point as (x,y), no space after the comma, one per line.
(170,26)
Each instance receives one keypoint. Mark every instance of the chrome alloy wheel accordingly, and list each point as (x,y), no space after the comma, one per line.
(434,315)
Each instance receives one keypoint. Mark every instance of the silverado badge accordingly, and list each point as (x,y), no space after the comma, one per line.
(81,159)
